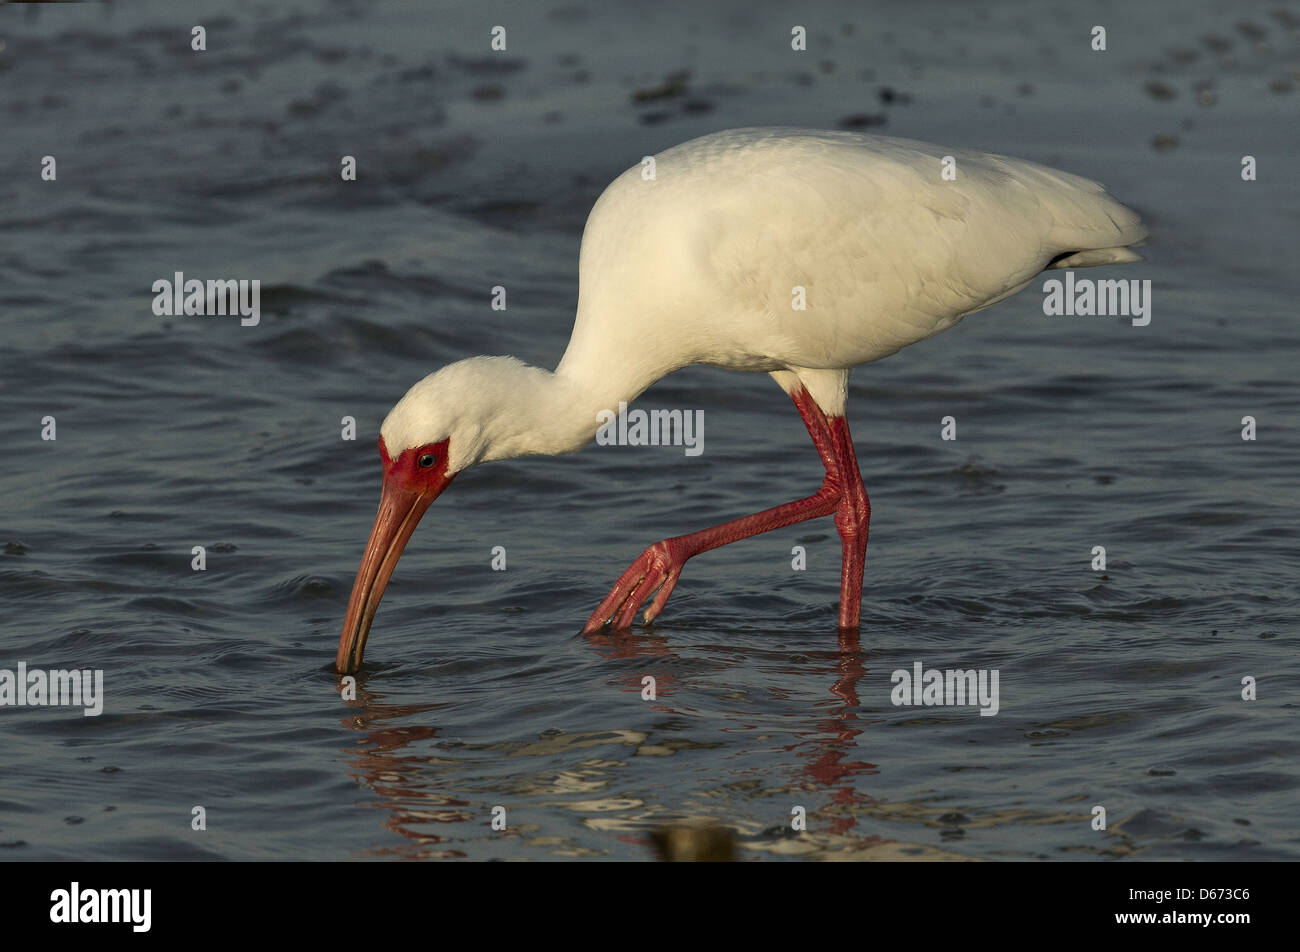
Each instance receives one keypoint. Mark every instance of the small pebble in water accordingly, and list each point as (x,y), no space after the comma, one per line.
(1160,91)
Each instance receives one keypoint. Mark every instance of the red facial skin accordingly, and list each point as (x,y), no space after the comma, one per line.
(409,489)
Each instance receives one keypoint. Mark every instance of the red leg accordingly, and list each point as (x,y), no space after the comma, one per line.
(659,566)
(851,519)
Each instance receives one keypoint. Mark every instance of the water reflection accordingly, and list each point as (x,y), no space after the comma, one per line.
(400,778)
(828,758)
(415,773)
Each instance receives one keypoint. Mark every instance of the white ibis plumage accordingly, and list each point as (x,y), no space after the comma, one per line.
(699,262)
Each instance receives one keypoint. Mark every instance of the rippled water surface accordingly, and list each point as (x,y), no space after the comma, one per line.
(1119,689)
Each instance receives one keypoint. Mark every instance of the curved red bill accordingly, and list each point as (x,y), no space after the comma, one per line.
(404,500)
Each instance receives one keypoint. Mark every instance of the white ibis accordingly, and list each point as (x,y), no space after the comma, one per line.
(705,260)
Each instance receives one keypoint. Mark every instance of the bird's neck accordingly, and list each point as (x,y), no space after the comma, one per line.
(548,413)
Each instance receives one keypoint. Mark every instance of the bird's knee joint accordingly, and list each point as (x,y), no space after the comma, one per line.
(852,520)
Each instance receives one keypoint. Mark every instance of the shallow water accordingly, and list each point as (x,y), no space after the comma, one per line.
(1119,689)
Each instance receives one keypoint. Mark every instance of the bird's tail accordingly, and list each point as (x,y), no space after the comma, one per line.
(1088,227)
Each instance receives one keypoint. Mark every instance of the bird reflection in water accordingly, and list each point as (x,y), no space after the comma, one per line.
(383,764)
(827,753)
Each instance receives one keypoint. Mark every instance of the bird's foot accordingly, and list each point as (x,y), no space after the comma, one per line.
(657,568)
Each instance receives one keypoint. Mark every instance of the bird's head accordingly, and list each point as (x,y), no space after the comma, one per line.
(424,442)
(474,410)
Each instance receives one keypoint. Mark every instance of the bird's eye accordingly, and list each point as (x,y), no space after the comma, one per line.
(427,460)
